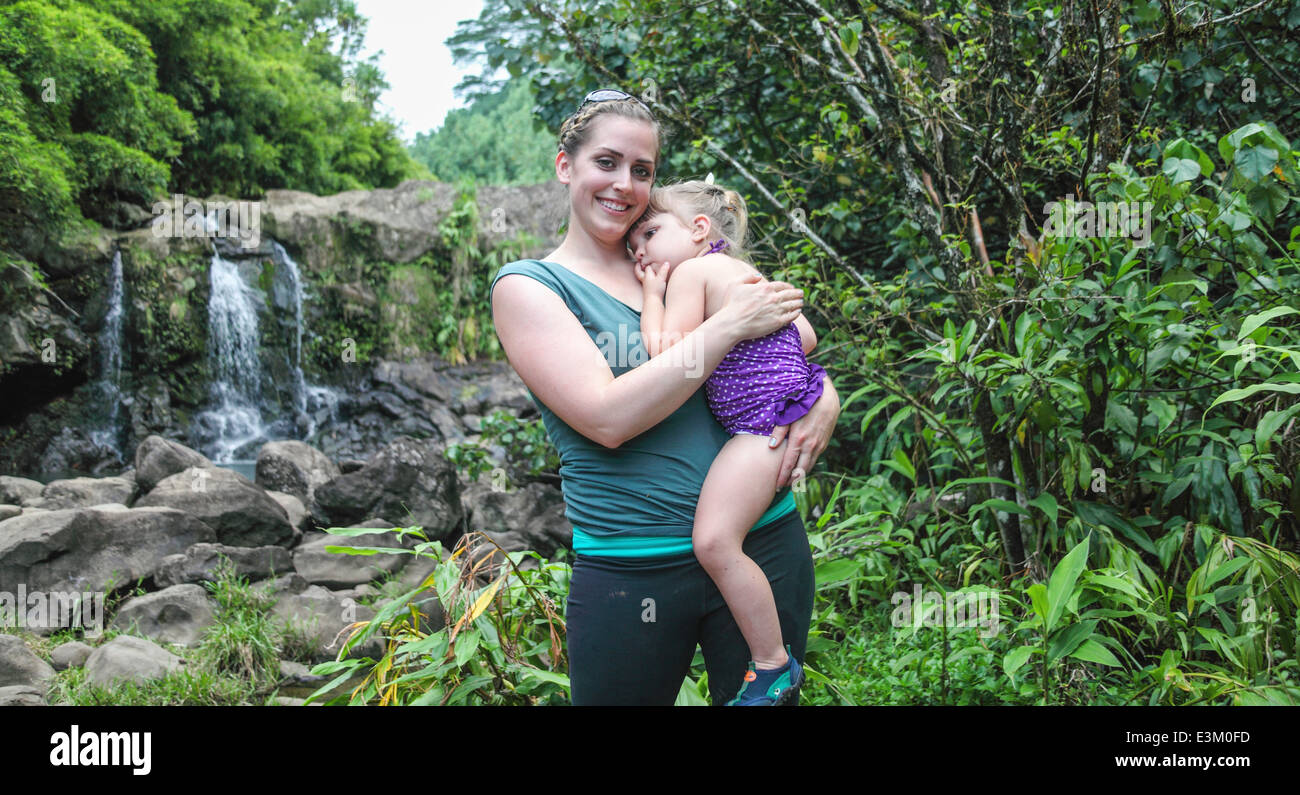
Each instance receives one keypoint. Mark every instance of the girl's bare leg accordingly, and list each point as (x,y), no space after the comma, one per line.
(738,489)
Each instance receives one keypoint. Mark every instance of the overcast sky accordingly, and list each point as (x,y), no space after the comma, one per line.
(415,61)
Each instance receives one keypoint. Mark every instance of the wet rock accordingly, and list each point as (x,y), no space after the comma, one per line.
(239,511)
(91,549)
(408,482)
(72,654)
(157,458)
(200,563)
(20,666)
(179,614)
(128,658)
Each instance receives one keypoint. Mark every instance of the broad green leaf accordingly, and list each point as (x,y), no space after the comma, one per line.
(1255,162)
(1061,585)
(1260,318)
(1038,598)
(1269,425)
(1226,569)
(1092,651)
(466,645)
(468,686)
(1046,503)
(1180,169)
(999,505)
(1233,395)
(1069,639)
(835,571)
(1016,658)
(904,464)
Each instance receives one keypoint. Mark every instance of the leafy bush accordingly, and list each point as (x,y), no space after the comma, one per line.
(501,640)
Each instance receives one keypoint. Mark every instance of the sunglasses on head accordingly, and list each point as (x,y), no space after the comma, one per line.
(606,94)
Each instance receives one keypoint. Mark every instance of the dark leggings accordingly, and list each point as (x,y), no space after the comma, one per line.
(633,624)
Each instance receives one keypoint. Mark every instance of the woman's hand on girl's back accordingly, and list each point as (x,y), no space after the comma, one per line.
(758,308)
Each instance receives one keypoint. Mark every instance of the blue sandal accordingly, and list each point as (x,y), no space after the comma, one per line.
(770,688)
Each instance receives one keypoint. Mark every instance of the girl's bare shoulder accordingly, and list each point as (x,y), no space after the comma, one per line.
(717,269)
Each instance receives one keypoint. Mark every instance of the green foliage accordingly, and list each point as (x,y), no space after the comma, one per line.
(106,100)
(502,640)
(529,454)
(243,641)
(495,141)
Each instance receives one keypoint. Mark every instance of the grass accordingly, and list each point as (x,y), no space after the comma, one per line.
(235,663)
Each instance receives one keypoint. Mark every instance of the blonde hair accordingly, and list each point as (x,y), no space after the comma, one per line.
(576,130)
(725,209)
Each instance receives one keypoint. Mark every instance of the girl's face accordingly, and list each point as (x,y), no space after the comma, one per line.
(609,177)
(663,237)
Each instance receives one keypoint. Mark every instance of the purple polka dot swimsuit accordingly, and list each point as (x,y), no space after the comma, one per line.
(763,383)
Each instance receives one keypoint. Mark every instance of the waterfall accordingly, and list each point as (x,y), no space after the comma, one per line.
(236,387)
(235,417)
(308,400)
(110,358)
(295,286)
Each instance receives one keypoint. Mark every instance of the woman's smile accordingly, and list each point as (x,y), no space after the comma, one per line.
(613,206)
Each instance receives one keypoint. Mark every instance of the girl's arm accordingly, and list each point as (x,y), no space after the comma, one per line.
(652,308)
(685,310)
(565,370)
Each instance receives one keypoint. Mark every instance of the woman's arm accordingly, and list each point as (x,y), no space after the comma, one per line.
(809,435)
(563,368)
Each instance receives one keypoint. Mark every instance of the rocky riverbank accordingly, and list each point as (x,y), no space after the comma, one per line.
(160,529)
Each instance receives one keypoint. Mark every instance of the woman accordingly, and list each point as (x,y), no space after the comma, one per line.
(636,441)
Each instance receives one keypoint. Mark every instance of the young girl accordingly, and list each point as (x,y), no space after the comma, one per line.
(688,248)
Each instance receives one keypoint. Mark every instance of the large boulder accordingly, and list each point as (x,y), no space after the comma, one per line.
(485,386)
(157,458)
(408,482)
(18,491)
(92,549)
(339,570)
(22,696)
(238,510)
(19,665)
(299,518)
(319,616)
(294,468)
(72,654)
(84,493)
(200,564)
(528,518)
(178,614)
(128,658)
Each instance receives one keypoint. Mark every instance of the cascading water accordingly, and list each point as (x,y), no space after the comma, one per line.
(236,417)
(308,400)
(110,358)
(236,387)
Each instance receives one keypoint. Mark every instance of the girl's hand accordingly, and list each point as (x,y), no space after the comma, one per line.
(757,308)
(808,436)
(653,280)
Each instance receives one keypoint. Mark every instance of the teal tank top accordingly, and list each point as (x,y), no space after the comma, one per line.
(637,500)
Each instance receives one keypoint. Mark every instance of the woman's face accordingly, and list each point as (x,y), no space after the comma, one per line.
(609,177)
